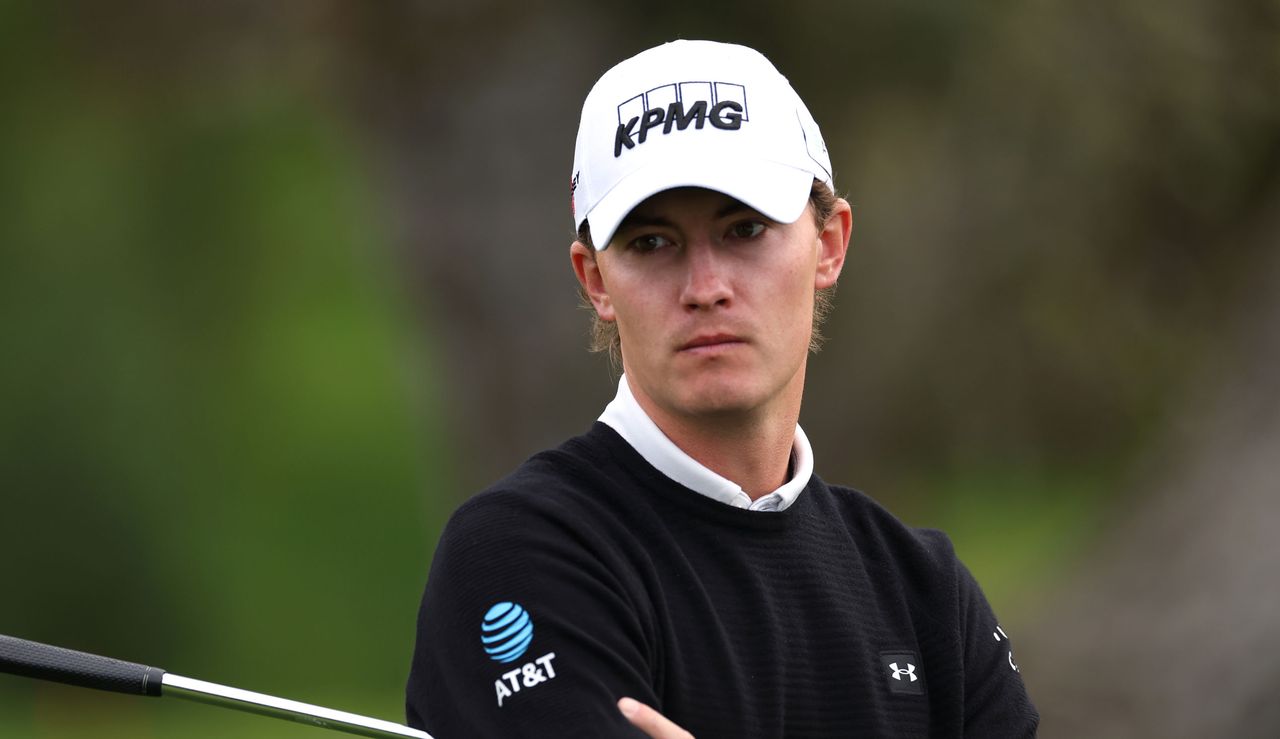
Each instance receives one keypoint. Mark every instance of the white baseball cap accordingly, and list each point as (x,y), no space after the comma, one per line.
(694,114)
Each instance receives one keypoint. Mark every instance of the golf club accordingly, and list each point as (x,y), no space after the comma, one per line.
(44,662)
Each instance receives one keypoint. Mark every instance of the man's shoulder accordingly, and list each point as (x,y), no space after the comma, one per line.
(877,529)
(568,481)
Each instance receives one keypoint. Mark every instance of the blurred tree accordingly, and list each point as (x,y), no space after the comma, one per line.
(220,450)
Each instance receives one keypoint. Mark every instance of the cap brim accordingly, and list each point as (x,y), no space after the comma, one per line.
(778,191)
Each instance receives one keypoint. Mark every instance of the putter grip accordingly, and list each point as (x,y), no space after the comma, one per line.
(41,661)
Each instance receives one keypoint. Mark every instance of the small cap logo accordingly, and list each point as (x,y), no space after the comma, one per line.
(506,632)
(904,672)
(573,203)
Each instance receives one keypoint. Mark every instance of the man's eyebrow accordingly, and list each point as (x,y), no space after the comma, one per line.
(732,207)
(642,220)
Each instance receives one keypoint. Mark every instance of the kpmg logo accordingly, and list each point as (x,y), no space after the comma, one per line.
(676,106)
(506,632)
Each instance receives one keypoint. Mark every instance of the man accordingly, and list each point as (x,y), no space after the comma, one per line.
(679,568)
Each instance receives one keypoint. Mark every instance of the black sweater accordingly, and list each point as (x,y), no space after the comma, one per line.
(587,575)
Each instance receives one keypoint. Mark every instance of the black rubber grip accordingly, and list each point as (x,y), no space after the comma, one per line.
(41,661)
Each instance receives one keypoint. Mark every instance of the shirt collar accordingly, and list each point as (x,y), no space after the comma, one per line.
(625,416)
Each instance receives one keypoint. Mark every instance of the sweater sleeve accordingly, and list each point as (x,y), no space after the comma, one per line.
(996,701)
(526,628)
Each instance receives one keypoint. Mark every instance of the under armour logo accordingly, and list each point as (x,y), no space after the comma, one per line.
(904,672)
(909,672)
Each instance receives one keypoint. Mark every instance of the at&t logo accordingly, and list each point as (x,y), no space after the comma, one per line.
(505,634)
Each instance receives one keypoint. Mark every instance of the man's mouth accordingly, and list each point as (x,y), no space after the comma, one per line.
(706,343)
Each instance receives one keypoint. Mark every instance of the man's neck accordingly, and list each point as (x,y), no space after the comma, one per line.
(753,448)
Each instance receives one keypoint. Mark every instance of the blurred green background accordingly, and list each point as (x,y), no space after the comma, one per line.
(283,283)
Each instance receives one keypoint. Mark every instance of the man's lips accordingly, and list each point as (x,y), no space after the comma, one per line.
(706,342)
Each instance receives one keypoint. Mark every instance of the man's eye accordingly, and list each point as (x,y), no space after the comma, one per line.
(648,243)
(747,229)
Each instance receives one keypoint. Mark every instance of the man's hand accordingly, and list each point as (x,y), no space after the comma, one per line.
(650,721)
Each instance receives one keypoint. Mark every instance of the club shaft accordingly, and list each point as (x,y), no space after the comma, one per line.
(45,662)
(225,696)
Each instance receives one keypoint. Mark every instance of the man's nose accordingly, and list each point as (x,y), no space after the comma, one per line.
(706,282)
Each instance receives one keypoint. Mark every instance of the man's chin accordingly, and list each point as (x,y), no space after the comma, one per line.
(717,396)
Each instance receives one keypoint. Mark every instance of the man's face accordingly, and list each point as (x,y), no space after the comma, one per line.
(713,301)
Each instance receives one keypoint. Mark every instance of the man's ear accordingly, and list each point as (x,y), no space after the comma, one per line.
(586,267)
(833,244)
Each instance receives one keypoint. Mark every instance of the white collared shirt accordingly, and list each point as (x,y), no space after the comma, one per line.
(625,416)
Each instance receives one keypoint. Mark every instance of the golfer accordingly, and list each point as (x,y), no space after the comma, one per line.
(679,568)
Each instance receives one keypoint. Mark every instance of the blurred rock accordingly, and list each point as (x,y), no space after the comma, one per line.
(1170,630)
